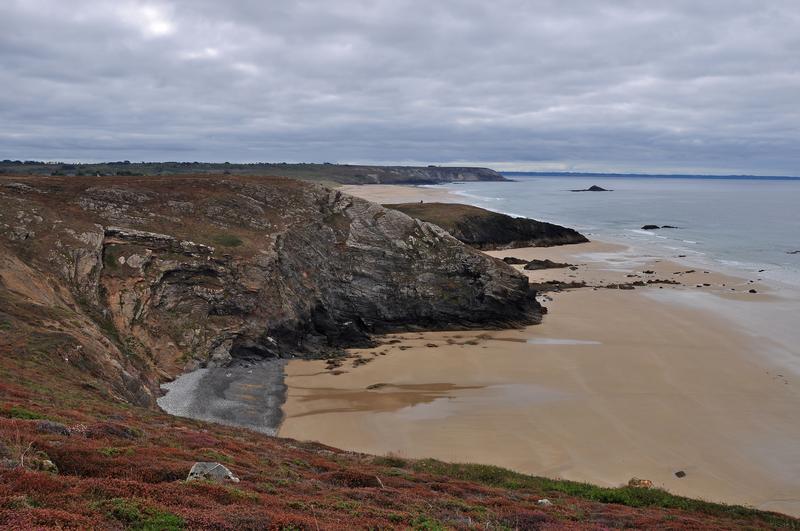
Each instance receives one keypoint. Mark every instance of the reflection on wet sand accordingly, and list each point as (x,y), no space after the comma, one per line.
(377,397)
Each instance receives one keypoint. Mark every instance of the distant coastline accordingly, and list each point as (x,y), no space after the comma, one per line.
(650,175)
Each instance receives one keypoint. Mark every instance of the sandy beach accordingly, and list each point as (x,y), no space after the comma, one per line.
(613,384)
(396,193)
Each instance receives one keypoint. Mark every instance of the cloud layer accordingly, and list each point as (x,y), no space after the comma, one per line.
(700,85)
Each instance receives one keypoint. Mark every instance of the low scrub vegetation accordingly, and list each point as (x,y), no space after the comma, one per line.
(120,466)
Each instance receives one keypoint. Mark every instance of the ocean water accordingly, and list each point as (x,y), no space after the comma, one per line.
(735,225)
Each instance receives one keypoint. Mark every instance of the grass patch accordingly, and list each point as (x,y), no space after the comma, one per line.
(18,412)
(390,461)
(242,495)
(218,457)
(227,240)
(495,476)
(426,523)
(298,505)
(347,505)
(134,516)
(110,451)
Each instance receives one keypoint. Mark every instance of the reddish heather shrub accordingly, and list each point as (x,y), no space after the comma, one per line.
(37,518)
(350,479)
(110,429)
(195,439)
(24,481)
(222,494)
(527,520)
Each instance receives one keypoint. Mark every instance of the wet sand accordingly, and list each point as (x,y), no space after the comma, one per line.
(248,395)
(613,384)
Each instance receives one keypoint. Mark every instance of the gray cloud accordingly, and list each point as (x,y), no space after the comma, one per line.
(703,85)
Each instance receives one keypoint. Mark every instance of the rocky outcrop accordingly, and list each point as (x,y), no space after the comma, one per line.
(484,229)
(536,265)
(593,188)
(163,275)
(215,472)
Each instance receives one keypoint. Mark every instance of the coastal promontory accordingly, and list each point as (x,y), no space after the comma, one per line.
(145,278)
(487,230)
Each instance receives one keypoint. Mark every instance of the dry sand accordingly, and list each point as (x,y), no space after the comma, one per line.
(613,384)
(396,193)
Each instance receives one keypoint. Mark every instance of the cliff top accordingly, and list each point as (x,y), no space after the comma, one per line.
(325,173)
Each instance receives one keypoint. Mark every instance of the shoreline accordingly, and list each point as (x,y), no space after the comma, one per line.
(687,365)
(551,399)
(249,395)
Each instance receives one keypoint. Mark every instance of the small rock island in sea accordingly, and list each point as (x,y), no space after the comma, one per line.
(593,188)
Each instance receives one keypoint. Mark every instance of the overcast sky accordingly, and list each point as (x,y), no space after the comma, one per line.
(695,85)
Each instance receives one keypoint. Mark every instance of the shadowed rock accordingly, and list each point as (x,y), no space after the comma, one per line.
(211,472)
(593,188)
(535,265)
(484,229)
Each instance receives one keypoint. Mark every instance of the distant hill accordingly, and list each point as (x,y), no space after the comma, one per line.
(329,173)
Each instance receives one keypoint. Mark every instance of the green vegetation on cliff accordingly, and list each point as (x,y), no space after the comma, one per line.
(323,173)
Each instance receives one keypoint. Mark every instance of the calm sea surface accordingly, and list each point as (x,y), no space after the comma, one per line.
(733,224)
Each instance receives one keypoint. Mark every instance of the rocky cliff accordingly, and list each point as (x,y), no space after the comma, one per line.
(139,279)
(484,229)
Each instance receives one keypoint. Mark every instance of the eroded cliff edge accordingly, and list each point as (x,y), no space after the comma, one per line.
(488,230)
(135,280)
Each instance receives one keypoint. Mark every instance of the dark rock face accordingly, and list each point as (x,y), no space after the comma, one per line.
(514,261)
(484,229)
(593,188)
(535,265)
(168,274)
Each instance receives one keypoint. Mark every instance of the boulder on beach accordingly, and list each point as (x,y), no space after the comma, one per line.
(535,265)
(640,483)
(514,261)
